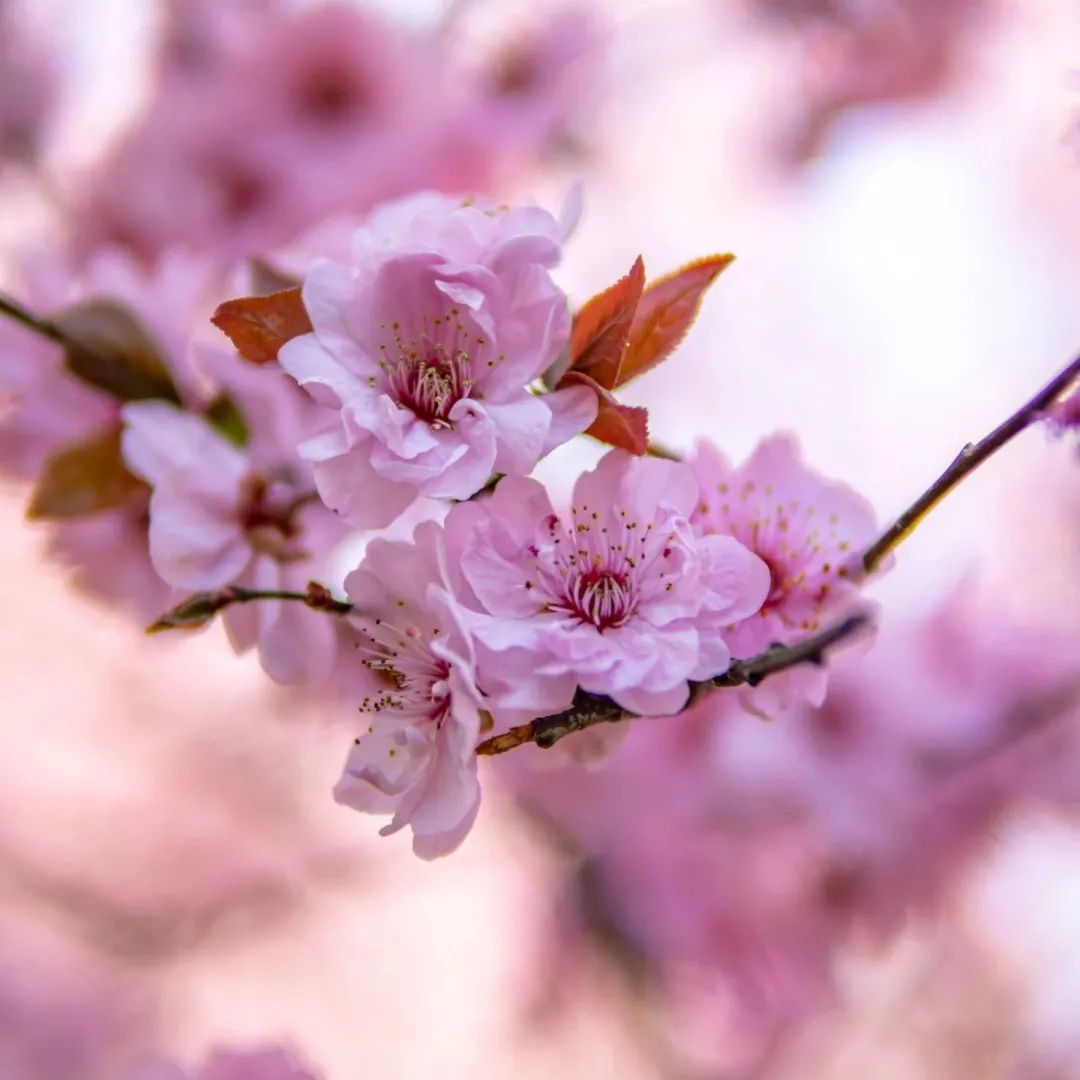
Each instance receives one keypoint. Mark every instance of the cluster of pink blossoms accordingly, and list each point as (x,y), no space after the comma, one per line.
(411,372)
(633,594)
(268,118)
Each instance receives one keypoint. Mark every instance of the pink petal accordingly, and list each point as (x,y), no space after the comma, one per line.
(573,409)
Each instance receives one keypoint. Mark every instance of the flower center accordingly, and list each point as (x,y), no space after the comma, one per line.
(598,569)
(330,95)
(431,385)
(605,598)
(418,682)
(430,367)
(268,514)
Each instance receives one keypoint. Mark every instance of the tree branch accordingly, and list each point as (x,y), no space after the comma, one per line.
(589,710)
(14,310)
(969,459)
(199,608)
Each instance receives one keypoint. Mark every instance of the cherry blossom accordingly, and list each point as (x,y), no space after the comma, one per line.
(269,118)
(424,349)
(416,759)
(806,529)
(45,409)
(222,514)
(621,598)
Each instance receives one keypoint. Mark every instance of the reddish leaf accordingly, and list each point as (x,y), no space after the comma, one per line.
(624,426)
(83,478)
(109,348)
(259,325)
(666,312)
(602,328)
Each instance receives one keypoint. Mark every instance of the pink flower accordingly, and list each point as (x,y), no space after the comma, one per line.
(66,1008)
(425,348)
(624,598)
(536,85)
(269,1063)
(46,410)
(806,529)
(417,759)
(29,85)
(266,122)
(43,406)
(221,514)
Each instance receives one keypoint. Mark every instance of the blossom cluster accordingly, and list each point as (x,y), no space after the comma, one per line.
(290,364)
(422,376)
(270,118)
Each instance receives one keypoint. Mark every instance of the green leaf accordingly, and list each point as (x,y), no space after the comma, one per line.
(223,414)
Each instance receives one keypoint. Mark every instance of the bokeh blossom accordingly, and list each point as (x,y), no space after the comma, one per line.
(47,411)
(225,514)
(29,87)
(268,118)
(267,1063)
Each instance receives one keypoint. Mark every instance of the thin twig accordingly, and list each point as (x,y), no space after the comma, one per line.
(589,710)
(199,608)
(969,459)
(14,310)
(775,658)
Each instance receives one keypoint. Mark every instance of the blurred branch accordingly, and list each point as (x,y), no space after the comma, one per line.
(591,709)
(969,459)
(199,608)
(14,310)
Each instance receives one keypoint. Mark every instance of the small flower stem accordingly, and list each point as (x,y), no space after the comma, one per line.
(969,459)
(317,597)
(14,310)
(659,450)
(591,709)
(199,608)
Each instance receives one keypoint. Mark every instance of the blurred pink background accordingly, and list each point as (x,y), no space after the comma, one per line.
(901,187)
